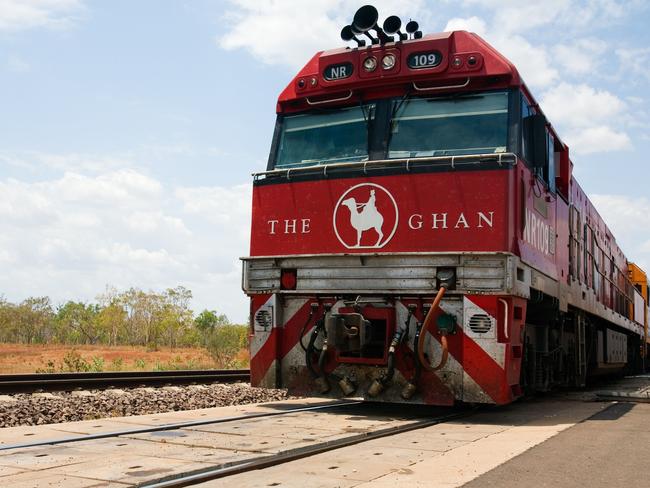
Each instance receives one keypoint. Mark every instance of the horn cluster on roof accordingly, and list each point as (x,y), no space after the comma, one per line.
(365,20)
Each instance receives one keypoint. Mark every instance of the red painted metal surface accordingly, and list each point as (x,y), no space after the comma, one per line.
(448,211)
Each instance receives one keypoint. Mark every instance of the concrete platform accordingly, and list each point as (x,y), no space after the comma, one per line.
(444,455)
(552,441)
(610,449)
(631,388)
(133,458)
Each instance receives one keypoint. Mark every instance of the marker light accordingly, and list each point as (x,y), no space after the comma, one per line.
(288,279)
(457,62)
(370,64)
(388,61)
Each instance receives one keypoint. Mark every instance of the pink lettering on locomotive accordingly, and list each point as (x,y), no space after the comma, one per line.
(418,235)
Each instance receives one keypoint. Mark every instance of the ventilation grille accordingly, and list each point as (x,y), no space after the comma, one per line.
(480,323)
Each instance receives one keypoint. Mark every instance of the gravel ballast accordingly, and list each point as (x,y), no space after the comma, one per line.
(48,408)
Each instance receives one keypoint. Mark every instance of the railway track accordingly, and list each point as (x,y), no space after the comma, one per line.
(190,478)
(361,422)
(25,383)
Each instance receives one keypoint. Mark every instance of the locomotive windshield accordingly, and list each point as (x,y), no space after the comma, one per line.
(476,124)
(331,136)
(412,127)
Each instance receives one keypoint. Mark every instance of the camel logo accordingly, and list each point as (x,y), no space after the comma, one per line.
(365,217)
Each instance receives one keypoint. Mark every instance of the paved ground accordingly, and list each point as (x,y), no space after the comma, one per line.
(446,455)
(558,441)
(610,449)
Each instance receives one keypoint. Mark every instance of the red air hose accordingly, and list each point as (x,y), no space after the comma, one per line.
(443,339)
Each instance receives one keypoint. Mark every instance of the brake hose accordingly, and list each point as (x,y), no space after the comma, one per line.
(443,339)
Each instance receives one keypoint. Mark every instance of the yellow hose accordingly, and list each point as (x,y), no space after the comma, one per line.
(443,340)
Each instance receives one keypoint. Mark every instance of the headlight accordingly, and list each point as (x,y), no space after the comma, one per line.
(388,61)
(370,64)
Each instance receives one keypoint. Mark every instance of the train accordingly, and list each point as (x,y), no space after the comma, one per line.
(418,235)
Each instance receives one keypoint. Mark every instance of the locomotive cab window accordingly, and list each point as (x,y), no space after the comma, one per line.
(475,124)
(335,136)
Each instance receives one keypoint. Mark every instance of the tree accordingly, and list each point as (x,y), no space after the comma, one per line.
(77,323)
(111,319)
(33,320)
(208,320)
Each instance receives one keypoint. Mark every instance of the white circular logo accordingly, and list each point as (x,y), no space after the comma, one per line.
(365,217)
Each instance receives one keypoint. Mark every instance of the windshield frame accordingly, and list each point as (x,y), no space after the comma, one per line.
(379,127)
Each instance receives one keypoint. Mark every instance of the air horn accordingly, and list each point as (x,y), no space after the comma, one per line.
(392,26)
(412,28)
(348,35)
(366,19)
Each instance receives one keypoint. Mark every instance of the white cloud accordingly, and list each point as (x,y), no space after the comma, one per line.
(597,139)
(532,62)
(592,118)
(289,32)
(221,205)
(470,24)
(628,218)
(515,16)
(635,64)
(75,162)
(17,15)
(69,236)
(581,57)
(581,105)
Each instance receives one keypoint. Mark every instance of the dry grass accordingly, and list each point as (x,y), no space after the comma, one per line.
(28,358)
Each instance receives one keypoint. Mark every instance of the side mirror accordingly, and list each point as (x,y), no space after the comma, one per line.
(563,178)
(539,140)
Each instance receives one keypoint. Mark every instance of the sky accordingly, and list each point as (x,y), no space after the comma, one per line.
(129,129)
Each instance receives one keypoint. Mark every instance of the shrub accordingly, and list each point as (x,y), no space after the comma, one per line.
(74,363)
(117,364)
(225,342)
(97,365)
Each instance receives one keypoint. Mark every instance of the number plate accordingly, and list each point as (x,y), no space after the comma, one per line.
(427,59)
(338,71)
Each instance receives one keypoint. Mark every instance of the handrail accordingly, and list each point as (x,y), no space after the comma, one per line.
(446,87)
(329,100)
(409,162)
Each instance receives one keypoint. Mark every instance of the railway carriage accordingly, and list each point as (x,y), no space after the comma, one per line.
(418,235)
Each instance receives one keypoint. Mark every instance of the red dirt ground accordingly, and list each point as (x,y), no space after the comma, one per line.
(28,358)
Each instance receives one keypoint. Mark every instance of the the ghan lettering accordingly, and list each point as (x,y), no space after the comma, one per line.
(441,220)
(436,221)
(290,226)
(415,221)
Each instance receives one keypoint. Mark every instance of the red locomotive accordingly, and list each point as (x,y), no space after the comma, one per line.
(418,235)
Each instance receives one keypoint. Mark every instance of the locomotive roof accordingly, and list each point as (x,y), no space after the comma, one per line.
(490,66)
(467,63)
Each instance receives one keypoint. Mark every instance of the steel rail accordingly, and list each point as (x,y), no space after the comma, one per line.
(16,383)
(176,426)
(215,472)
